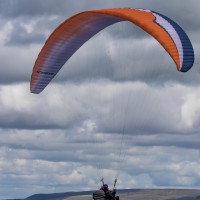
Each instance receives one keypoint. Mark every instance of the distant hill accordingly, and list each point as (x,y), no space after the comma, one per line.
(60,196)
(57,196)
(128,194)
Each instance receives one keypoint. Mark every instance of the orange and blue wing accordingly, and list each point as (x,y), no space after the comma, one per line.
(67,38)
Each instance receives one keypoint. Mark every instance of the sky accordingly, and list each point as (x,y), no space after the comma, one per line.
(118,107)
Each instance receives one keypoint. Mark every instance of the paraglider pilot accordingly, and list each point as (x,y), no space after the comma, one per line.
(110,194)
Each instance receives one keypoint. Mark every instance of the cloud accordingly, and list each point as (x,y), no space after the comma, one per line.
(25,31)
(110,106)
(21,36)
(143,167)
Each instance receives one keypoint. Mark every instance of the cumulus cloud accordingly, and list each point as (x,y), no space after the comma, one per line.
(118,46)
(91,145)
(136,105)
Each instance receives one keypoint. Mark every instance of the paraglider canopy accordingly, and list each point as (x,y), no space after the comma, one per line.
(67,38)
